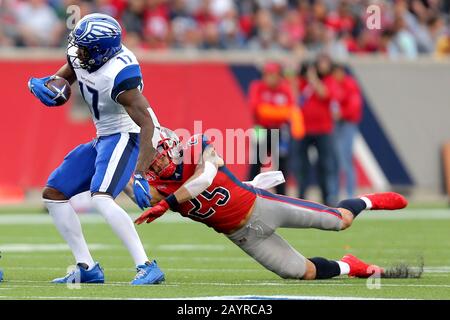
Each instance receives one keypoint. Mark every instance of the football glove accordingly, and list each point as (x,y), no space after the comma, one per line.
(141,191)
(38,88)
(153,213)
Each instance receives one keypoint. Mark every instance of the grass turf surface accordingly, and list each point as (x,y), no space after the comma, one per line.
(201,263)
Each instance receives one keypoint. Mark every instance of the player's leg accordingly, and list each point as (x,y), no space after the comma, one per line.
(282,211)
(70,178)
(347,132)
(260,242)
(325,168)
(298,213)
(115,163)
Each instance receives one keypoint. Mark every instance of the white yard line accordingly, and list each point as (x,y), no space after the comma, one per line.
(434,270)
(92,218)
(47,247)
(246,284)
(407,214)
(246,297)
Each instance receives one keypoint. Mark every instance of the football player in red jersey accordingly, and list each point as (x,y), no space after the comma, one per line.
(206,191)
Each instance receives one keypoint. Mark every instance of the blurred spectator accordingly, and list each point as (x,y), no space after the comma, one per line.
(264,32)
(338,27)
(443,46)
(156,26)
(272,103)
(133,23)
(347,116)
(401,42)
(37,24)
(317,89)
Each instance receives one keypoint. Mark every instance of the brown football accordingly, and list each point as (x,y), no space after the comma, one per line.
(61,87)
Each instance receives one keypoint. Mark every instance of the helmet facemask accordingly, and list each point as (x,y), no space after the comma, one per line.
(168,156)
(95,39)
(89,59)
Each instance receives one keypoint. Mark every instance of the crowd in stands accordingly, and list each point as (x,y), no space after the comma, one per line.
(319,107)
(408,28)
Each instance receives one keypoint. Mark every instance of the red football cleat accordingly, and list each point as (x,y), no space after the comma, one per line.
(359,268)
(386,201)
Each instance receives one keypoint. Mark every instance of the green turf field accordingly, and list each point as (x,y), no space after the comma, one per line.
(201,263)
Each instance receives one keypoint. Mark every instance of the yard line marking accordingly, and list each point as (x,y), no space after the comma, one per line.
(362,284)
(427,270)
(134,269)
(190,247)
(49,286)
(246,284)
(47,247)
(406,214)
(73,298)
(34,219)
(209,298)
(286,297)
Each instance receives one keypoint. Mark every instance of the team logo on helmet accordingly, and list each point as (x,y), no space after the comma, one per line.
(96,30)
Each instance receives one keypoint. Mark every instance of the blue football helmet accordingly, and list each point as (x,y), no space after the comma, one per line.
(97,38)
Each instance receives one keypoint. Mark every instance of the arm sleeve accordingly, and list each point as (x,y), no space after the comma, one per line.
(203,181)
(128,78)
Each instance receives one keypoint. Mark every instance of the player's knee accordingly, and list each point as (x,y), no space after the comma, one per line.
(292,270)
(347,220)
(99,198)
(310,271)
(50,193)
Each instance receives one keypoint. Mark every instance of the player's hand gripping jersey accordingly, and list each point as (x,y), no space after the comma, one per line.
(223,205)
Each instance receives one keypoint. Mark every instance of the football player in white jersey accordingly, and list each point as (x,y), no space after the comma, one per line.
(110,82)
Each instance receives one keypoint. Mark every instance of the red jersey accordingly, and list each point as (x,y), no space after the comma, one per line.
(351,102)
(223,205)
(316,109)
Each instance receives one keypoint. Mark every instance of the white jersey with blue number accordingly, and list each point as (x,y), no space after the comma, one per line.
(101,88)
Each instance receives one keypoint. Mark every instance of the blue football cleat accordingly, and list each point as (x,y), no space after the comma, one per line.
(80,275)
(148,273)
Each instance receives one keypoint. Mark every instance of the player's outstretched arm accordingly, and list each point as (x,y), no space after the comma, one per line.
(203,176)
(138,108)
(201,179)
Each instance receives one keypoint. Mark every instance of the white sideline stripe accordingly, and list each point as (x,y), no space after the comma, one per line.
(114,161)
(428,270)
(32,247)
(405,214)
(190,247)
(210,298)
(36,219)
(369,163)
(285,297)
(291,283)
(29,247)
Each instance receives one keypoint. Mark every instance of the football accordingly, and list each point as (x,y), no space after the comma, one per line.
(61,87)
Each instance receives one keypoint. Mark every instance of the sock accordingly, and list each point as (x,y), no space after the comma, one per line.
(368,202)
(344,266)
(325,269)
(68,225)
(122,226)
(355,206)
